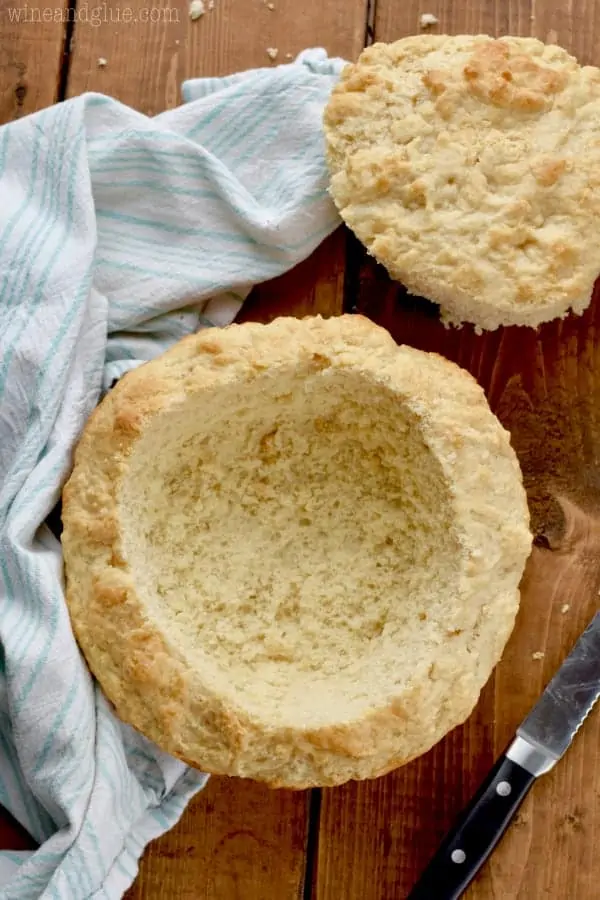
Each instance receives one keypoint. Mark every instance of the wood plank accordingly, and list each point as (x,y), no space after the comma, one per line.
(237,839)
(573,25)
(257,852)
(146,61)
(316,286)
(31,56)
(375,837)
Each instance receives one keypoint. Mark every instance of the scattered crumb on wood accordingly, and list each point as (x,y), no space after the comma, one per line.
(272,53)
(102,62)
(177,42)
(289,55)
(427,20)
(271,6)
(211,5)
(539,654)
(565,608)
(196,9)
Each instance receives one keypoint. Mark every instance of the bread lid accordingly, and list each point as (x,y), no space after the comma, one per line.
(469,166)
(293,550)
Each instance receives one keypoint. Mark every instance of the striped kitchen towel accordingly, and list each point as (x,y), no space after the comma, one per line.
(119,234)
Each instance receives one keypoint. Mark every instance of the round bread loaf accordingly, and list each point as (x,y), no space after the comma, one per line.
(293,551)
(470,167)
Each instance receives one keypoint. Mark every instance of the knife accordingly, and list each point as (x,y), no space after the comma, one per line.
(541,740)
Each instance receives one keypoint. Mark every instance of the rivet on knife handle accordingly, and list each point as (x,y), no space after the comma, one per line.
(476,834)
(542,739)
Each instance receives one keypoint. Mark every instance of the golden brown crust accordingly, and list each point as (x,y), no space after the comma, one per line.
(143,670)
(468,167)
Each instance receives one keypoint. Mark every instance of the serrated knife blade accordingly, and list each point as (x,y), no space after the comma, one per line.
(541,740)
(563,707)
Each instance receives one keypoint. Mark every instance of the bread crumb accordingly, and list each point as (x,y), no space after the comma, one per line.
(289,55)
(427,20)
(272,53)
(271,6)
(565,608)
(177,42)
(211,5)
(196,9)
(102,62)
(538,654)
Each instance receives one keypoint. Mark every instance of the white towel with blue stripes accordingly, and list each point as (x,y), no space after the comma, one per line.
(119,233)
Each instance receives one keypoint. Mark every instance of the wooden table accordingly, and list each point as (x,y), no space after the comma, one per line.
(368,841)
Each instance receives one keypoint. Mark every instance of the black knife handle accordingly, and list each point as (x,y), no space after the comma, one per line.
(475,834)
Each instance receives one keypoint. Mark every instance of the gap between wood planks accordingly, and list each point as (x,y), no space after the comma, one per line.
(352,270)
(65,62)
(312,845)
(354,250)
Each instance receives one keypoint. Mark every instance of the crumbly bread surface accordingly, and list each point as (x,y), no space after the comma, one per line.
(293,551)
(470,167)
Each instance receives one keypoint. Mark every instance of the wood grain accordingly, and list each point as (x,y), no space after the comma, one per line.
(31,55)
(545,386)
(255,853)
(146,61)
(574,25)
(314,286)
